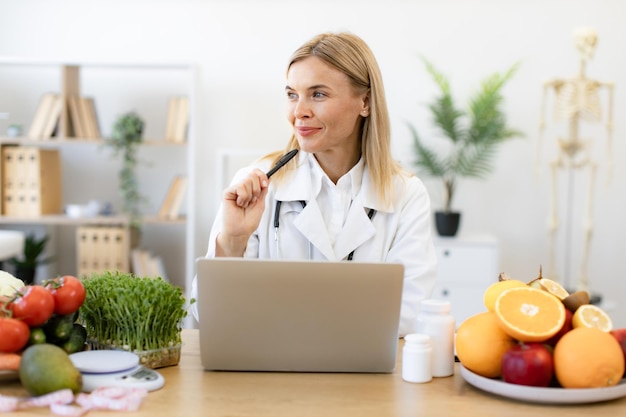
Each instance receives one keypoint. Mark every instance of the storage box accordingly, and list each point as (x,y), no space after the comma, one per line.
(102,248)
(31,181)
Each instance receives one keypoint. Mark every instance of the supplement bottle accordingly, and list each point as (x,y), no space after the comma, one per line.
(436,321)
(416,358)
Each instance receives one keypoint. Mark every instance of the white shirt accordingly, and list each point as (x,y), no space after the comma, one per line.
(399,231)
(335,199)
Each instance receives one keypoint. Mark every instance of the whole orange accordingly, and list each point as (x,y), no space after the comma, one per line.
(587,357)
(481,343)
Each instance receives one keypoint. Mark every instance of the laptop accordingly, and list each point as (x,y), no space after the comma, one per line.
(298,316)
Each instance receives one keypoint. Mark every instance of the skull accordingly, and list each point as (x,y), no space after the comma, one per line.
(586,40)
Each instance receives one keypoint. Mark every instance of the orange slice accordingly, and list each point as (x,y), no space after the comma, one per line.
(589,315)
(529,314)
(494,290)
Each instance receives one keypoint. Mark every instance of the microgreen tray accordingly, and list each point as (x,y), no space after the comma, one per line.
(153,358)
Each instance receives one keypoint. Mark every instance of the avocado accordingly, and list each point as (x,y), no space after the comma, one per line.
(46,368)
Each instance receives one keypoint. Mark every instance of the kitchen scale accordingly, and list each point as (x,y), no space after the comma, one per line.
(114,368)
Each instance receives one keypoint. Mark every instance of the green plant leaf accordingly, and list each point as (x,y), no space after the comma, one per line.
(473,136)
(125,139)
(31,255)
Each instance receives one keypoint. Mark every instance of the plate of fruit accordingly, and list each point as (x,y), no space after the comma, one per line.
(536,342)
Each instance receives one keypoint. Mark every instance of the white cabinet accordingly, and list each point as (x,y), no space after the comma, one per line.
(467,266)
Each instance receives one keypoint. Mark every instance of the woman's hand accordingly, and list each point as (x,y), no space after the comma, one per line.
(243,205)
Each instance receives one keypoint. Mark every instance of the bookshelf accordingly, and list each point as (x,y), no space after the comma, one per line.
(71,107)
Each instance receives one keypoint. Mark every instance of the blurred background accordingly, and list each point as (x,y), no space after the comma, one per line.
(240,49)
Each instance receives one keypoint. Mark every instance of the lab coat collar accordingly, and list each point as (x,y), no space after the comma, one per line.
(298,186)
(358,227)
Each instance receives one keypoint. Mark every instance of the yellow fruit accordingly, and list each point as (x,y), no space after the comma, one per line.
(587,357)
(552,287)
(529,314)
(480,344)
(589,315)
(495,289)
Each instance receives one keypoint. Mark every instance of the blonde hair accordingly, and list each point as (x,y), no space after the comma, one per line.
(350,54)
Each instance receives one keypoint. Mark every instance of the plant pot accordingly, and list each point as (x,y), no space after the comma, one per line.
(447,223)
(26,274)
(153,359)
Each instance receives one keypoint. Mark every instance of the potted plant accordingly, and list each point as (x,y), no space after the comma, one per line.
(470,138)
(125,140)
(26,265)
(139,314)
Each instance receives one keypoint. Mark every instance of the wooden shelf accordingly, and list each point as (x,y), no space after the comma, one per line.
(60,219)
(24,141)
(145,87)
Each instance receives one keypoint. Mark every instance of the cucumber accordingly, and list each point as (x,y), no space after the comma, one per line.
(76,340)
(75,315)
(58,328)
(37,336)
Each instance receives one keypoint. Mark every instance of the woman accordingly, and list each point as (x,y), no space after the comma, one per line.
(342,197)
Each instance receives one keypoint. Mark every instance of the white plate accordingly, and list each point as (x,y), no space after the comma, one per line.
(104,361)
(544,395)
(8,376)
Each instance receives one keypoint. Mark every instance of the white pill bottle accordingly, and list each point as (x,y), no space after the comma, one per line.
(416,358)
(436,321)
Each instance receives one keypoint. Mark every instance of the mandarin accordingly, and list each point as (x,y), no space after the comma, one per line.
(587,357)
(480,344)
(529,314)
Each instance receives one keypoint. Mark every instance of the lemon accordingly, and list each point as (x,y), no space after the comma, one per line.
(495,289)
(589,315)
(553,288)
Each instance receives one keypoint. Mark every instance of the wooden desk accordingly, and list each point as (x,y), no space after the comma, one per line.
(191,391)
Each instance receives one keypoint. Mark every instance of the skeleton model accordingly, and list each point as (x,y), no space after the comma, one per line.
(577,99)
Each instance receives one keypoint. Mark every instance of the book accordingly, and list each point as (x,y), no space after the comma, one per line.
(75,116)
(177,119)
(182,119)
(170,209)
(138,262)
(88,112)
(41,115)
(157,268)
(172,113)
(52,118)
(147,265)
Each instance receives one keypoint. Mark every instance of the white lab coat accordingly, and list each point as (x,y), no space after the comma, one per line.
(398,233)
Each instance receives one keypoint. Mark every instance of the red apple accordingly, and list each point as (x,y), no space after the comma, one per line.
(567,326)
(528,364)
(620,335)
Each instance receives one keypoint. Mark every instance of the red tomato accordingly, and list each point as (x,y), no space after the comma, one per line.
(68,292)
(33,304)
(13,335)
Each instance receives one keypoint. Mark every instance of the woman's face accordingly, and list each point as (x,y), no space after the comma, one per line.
(324,109)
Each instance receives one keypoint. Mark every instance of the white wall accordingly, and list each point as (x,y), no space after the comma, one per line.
(242,47)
